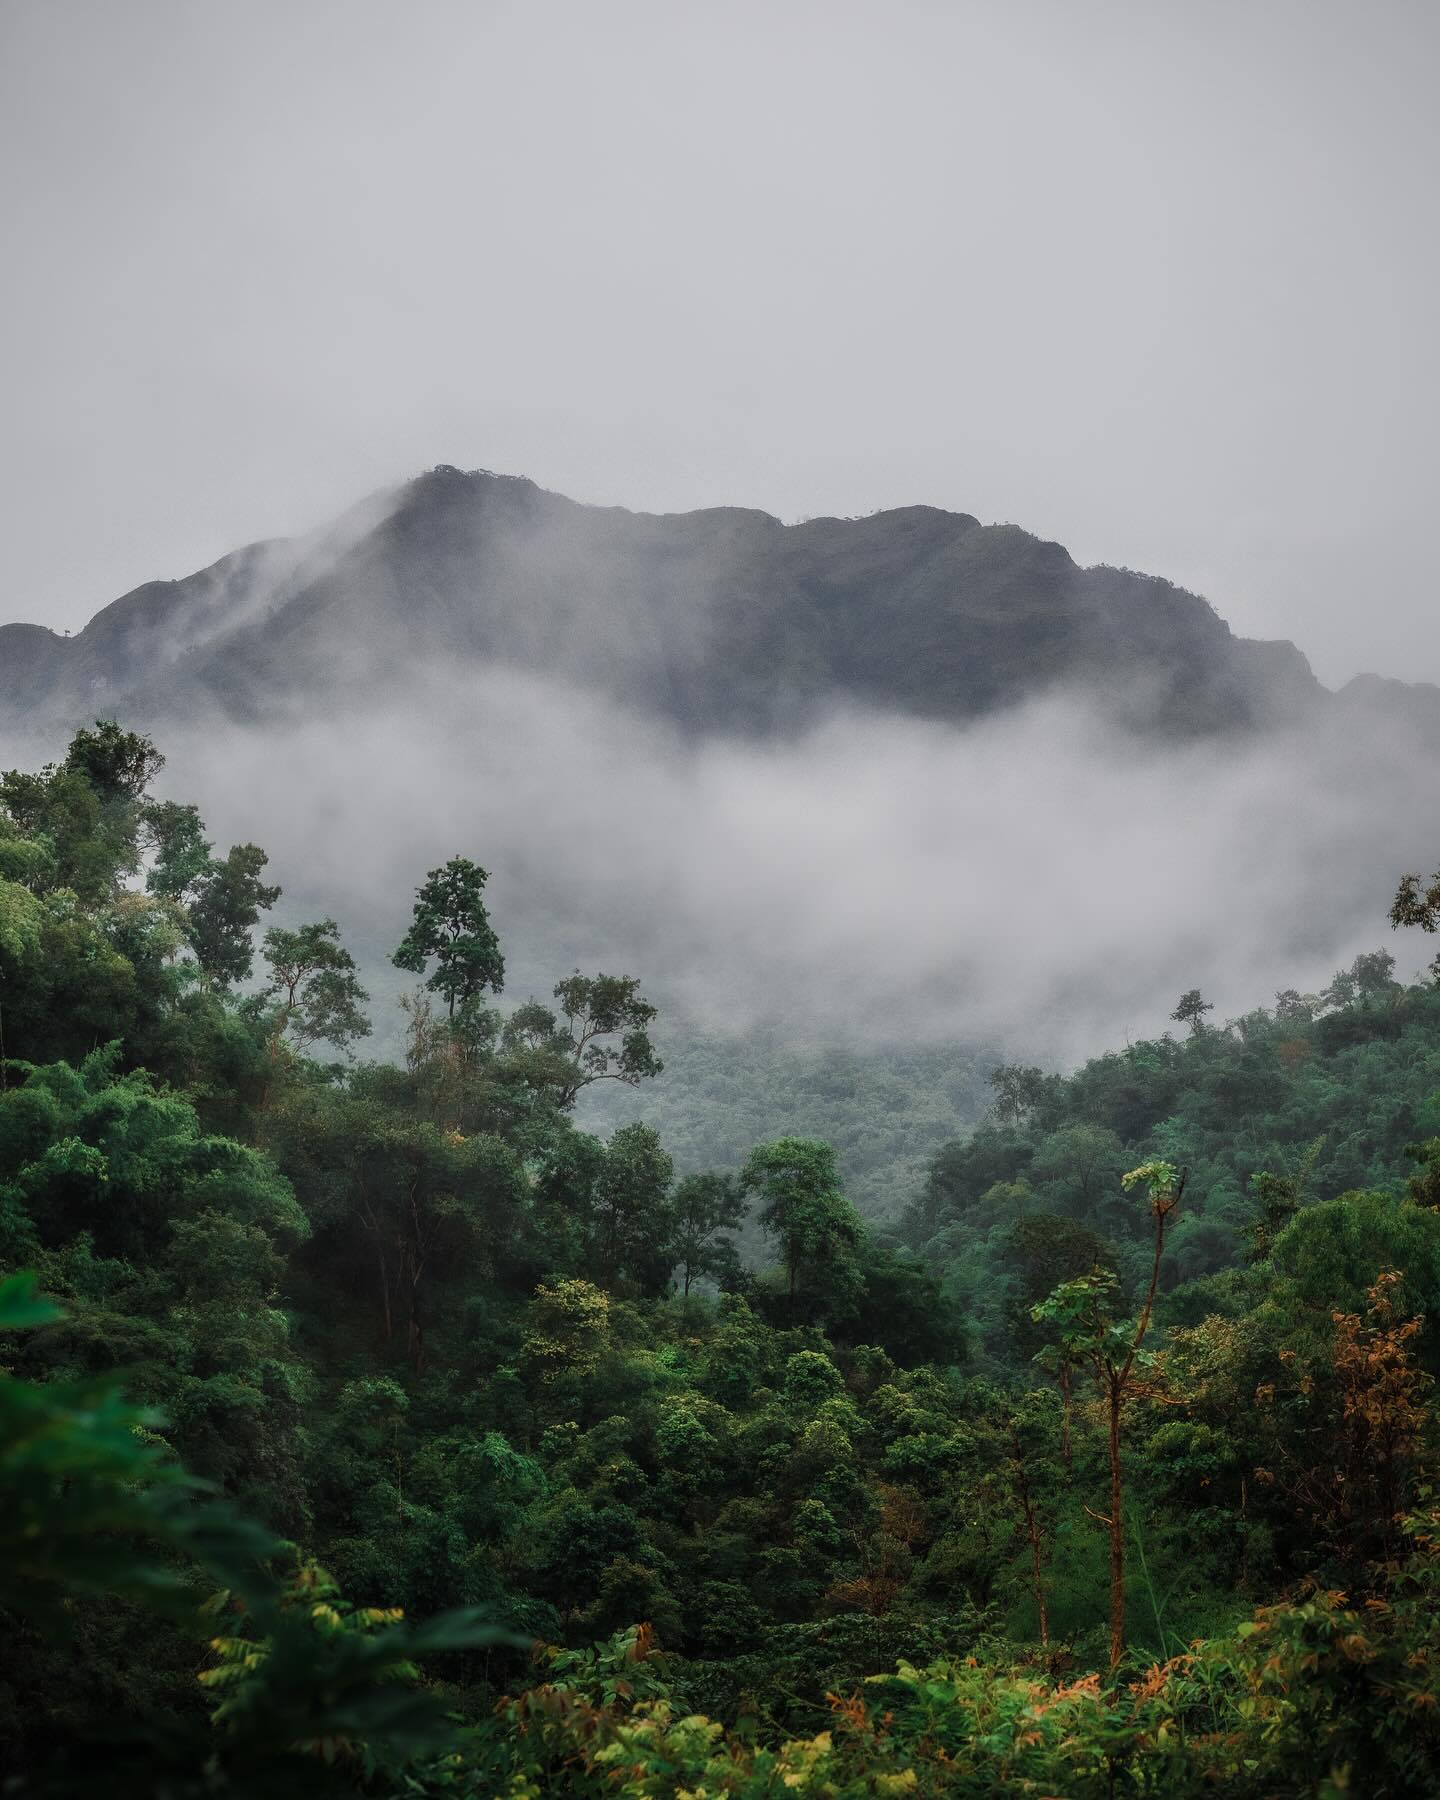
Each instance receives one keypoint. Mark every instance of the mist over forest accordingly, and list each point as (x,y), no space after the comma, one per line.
(737,1097)
(1105,794)
(1063,797)
(706,1179)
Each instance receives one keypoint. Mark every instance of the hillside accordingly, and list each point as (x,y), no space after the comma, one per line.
(719,620)
(420,1374)
(886,1111)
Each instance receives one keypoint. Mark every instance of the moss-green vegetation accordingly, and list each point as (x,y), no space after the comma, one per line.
(372,1428)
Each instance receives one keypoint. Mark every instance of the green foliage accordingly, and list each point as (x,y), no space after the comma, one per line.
(1191,1010)
(708,1209)
(633,1226)
(78,825)
(1307,1698)
(1417,905)
(175,833)
(1085,1316)
(119,765)
(569,1330)
(569,1052)
(1045,1250)
(601,1007)
(815,1228)
(20,922)
(311,1679)
(1019,1089)
(452,929)
(228,901)
(314,985)
(118,1159)
(482,1364)
(885,1111)
(90,1502)
(1269,1114)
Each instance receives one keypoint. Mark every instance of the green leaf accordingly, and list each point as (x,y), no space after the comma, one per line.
(21,1308)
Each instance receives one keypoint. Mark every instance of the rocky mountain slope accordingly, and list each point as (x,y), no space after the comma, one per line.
(720,620)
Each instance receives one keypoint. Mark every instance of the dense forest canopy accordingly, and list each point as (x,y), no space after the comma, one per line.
(371,1427)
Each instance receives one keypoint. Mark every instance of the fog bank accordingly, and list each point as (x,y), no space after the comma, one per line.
(1038,879)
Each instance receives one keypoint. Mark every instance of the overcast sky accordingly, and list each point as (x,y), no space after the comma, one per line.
(1156,280)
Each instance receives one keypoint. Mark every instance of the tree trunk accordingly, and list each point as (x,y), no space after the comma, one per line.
(1117,1385)
(385,1297)
(416,1256)
(1032,1534)
(609,1255)
(372,1224)
(1117,1530)
(414,1330)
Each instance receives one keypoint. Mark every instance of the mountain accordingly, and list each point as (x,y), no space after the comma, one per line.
(719,620)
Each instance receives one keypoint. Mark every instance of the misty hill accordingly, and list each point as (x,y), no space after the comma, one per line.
(723,619)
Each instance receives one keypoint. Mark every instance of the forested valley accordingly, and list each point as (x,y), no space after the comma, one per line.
(372,1428)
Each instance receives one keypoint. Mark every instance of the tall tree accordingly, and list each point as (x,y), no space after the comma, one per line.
(1093,1336)
(568,1052)
(1373,973)
(428,1204)
(228,900)
(1280,1197)
(1080,1160)
(1370,977)
(118,764)
(223,898)
(452,929)
(633,1241)
(1030,1434)
(1191,1011)
(176,835)
(87,812)
(1039,1252)
(608,1006)
(707,1209)
(1415,904)
(1294,1008)
(1018,1089)
(815,1228)
(316,989)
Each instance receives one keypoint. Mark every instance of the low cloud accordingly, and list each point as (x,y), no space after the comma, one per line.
(1040,880)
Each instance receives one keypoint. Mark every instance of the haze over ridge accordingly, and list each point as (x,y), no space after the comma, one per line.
(890,778)
(720,619)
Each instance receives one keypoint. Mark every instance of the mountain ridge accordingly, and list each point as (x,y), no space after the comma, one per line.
(720,619)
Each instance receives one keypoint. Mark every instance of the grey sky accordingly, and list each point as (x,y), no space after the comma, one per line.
(1157,280)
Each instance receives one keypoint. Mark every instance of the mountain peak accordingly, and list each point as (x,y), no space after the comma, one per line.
(719,619)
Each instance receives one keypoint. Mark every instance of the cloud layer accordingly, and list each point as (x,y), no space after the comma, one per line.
(1039,879)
